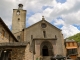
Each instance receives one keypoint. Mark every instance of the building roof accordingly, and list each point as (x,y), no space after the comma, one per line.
(5,26)
(14,44)
(43,19)
(67,40)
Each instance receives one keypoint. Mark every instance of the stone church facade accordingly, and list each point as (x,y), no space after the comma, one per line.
(39,41)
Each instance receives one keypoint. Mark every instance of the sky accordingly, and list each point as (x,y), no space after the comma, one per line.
(64,14)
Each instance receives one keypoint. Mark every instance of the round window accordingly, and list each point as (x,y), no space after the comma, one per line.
(43,25)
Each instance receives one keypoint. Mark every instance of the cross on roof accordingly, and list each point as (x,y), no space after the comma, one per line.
(43,18)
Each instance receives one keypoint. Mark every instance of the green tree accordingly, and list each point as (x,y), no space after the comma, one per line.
(75,37)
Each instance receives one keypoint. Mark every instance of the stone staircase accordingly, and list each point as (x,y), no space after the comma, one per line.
(46,58)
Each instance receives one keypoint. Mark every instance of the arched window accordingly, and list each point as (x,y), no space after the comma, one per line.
(18,12)
(44,34)
(18,37)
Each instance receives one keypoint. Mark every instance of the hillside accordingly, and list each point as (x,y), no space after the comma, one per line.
(75,37)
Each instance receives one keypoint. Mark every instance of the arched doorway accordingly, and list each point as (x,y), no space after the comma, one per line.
(46,49)
(5,55)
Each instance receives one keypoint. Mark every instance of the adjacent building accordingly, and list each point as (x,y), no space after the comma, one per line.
(5,34)
(71,49)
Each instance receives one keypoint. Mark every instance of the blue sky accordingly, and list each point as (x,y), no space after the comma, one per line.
(64,14)
(61,1)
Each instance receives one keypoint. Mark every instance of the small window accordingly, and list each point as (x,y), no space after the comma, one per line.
(43,25)
(18,19)
(44,33)
(31,36)
(68,44)
(3,33)
(71,51)
(73,43)
(18,37)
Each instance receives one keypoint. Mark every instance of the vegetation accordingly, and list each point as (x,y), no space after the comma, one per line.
(75,37)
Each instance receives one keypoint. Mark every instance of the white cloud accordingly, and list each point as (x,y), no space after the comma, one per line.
(72,18)
(35,18)
(69,30)
(69,11)
(6,7)
(59,22)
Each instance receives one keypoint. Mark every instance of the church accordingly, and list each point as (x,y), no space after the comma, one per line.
(39,41)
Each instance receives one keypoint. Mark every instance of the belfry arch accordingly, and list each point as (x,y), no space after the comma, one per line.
(46,49)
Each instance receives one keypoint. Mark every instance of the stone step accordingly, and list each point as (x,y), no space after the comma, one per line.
(46,58)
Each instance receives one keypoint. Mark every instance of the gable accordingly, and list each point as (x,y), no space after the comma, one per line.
(43,22)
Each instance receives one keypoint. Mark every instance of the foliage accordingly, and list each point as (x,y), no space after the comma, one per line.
(75,37)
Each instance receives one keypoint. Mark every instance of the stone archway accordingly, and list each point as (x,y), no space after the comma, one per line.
(46,49)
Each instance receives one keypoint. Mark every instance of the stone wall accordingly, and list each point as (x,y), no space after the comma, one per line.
(28,54)
(7,36)
(16,53)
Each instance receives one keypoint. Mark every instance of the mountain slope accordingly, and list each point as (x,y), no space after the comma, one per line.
(75,37)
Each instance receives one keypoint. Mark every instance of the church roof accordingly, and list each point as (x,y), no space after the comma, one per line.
(5,26)
(43,19)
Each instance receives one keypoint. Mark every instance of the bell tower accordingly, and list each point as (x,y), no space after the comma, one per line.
(18,19)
